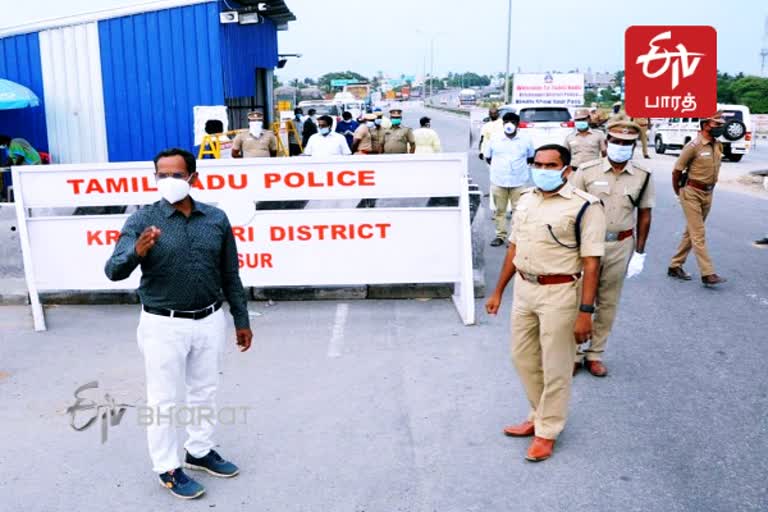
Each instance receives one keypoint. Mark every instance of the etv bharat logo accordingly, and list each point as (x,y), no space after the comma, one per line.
(671,71)
(677,60)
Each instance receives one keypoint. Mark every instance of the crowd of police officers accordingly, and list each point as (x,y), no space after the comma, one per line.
(575,236)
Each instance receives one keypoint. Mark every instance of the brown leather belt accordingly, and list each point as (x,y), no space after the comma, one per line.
(551,279)
(618,236)
(700,185)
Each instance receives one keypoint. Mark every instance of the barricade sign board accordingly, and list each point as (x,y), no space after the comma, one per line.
(311,247)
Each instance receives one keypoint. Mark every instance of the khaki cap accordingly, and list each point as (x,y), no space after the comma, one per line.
(581,113)
(625,130)
(370,117)
(396,109)
(255,114)
(617,104)
(717,117)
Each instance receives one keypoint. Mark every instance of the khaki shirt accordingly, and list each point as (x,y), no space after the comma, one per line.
(614,191)
(642,122)
(363,134)
(621,116)
(396,140)
(585,147)
(377,137)
(490,131)
(538,252)
(702,159)
(252,147)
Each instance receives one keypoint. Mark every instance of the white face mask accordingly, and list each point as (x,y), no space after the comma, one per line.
(618,153)
(510,128)
(370,124)
(173,190)
(255,128)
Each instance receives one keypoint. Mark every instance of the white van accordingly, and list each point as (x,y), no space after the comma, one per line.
(676,132)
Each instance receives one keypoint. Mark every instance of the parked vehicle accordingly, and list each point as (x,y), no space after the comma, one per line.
(467,98)
(543,124)
(674,133)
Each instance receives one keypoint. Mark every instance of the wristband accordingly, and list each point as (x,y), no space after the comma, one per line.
(587,308)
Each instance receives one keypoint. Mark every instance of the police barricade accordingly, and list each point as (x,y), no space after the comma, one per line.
(314,247)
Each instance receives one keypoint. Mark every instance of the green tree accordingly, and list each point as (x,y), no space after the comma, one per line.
(751,91)
(590,97)
(324,82)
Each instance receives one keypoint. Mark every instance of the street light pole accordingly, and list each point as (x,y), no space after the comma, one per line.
(431,64)
(509,42)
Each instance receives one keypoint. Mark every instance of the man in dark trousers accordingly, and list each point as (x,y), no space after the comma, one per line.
(310,127)
(188,260)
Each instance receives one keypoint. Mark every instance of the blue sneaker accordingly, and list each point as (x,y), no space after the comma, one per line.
(180,485)
(213,464)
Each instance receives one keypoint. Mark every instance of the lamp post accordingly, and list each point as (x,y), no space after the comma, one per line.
(509,42)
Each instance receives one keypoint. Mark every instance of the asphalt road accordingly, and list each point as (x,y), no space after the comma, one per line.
(383,406)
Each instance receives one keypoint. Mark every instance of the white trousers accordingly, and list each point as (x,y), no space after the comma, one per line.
(176,349)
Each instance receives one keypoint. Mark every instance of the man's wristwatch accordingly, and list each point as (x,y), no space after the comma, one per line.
(587,308)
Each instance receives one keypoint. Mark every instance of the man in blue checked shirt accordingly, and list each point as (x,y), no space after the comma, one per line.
(509,156)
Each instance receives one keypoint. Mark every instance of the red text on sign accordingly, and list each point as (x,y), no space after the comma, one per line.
(328,232)
(255,260)
(102,237)
(328,179)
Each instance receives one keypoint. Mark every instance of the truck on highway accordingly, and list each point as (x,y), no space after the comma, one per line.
(467,98)
(361,91)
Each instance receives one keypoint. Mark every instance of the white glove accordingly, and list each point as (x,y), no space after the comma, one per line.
(636,264)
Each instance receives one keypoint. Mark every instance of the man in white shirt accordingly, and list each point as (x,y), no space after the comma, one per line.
(509,156)
(427,140)
(326,142)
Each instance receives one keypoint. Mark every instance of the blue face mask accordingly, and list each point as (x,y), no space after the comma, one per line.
(618,153)
(582,126)
(325,131)
(547,180)
(396,121)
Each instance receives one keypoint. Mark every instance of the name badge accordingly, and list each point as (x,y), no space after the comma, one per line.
(704,154)
(601,183)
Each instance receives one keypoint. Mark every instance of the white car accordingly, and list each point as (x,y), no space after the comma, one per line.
(544,124)
(674,133)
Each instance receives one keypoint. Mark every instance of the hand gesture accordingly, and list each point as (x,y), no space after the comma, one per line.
(147,241)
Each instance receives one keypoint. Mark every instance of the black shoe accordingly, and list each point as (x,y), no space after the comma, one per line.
(497,242)
(762,243)
(647,156)
(712,280)
(180,485)
(213,464)
(678,273)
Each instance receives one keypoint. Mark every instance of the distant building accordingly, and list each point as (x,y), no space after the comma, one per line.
(596,80)
(120,84)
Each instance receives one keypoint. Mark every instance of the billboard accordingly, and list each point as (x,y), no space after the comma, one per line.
(557,89)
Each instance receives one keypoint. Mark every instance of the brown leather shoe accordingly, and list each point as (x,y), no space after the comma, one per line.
(540,449)
(596,368)
(576,367)
(678,273)
(712,280)
(524,429)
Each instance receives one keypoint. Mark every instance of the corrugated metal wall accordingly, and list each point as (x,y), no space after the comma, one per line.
(20,62)
(75,104)
(245,48)
(156,67)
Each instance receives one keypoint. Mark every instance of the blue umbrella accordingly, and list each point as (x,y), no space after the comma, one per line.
(13,95)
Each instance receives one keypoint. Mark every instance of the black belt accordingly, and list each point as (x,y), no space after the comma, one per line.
(194,315)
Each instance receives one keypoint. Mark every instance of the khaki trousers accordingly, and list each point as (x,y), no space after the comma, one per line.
(543,348)
(644,139)
(613,270)
(696,205)
(503,197)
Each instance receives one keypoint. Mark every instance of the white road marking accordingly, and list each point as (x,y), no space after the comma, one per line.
(336,344)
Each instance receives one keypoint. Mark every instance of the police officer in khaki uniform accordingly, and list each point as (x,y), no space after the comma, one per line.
(554,293)
(256,142)
(622,186)
(645,124)
(700,161)
(398,139)
(362,140)
(617,115)
(584,144)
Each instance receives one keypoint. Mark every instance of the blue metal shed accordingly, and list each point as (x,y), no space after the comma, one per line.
(119,85)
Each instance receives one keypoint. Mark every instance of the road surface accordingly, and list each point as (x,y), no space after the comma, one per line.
(384,406)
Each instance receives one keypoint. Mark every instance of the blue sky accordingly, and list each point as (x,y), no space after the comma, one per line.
(394,35)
